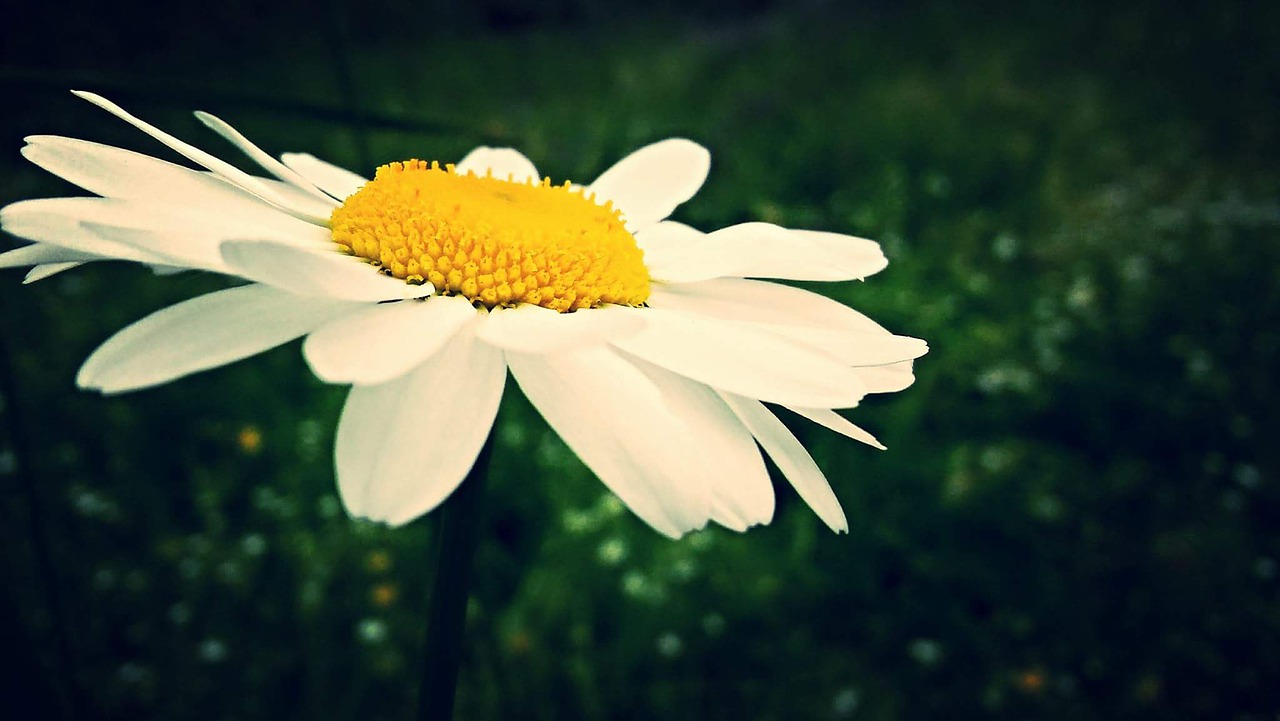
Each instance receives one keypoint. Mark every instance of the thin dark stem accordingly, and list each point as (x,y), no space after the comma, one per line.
(457,533)
(72,705)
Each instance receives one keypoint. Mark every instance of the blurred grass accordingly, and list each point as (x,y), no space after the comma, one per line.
(1076,517)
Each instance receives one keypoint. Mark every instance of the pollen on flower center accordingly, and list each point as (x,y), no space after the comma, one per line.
(494,241)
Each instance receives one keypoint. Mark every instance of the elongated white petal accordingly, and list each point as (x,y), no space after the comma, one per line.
(504,163)
(204,332)
(791,458)
(404,446)
(261,157)
(618,420)
(839,424)
(741,359)
(664,243)
(760,301)
(128,229)
(326,274)
(741,493)
(648,184)
(762,250)
(386,340)
(197,250)
(534,329)
(854,348)
(45,270)
(46,221)
(123,174)
(315,210)
(38,253)
(337,182)
(118,173)
(801,316)
(848,251)
(887,379)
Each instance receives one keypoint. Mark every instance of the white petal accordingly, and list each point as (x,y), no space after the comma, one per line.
(503,163)
(194,250)
(328,274)
(338,182)
(791,458)
(648,184)
(261,157)
(839,424)
(404,446)
(38,253)
(386,340)
(887,379)
(51,221)
(44,270)
(848,251)
(760,301)
(534,329)
(619,421)
(808,318)
(124,229)
(856,349)
(741,359)
(741,493)
(204,332)
(762,250)
(116,173)
(664,243)
(315,210)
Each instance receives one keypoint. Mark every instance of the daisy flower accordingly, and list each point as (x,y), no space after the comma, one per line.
(648,346)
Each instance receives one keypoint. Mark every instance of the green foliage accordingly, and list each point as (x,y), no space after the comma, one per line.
(1077,516)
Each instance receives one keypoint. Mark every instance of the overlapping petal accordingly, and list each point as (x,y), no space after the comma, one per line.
(45,270)
(315,272)
(262,158)
(38,253)
(618,420)
(503,163)
(887,379)
(205,332)
(648,184)
(339,183)
(763,250)
(404,446)
(534,329)
(304,206)
(807,318)
(737,358)
(791,458)
(838,423)
(385,341)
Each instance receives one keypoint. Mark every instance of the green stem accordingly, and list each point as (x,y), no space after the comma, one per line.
(457,533)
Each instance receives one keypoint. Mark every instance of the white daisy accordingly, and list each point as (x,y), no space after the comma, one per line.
(641,341)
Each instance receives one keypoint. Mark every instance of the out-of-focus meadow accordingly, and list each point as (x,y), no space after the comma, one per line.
(1078,514)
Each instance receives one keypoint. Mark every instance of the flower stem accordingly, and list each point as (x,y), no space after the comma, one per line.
(457,533)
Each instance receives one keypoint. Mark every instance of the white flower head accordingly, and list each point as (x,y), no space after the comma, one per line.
(648,346)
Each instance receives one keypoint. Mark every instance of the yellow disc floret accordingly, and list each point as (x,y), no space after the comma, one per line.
(497,242)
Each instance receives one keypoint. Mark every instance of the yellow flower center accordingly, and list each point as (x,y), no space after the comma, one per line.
(496,242)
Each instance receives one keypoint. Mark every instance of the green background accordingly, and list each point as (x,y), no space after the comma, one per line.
(1077,517)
